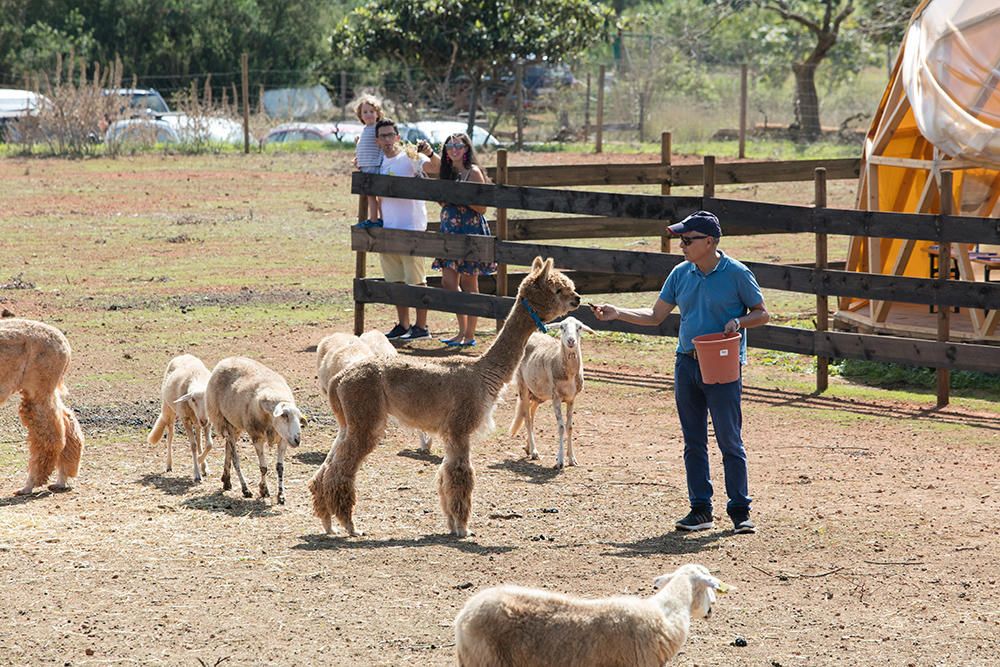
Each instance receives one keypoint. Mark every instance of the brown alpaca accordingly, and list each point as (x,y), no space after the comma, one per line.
(33,360)
(454,399)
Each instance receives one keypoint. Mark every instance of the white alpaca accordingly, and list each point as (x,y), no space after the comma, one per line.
(183,394)
(246,396)
(526,627)
(551,370)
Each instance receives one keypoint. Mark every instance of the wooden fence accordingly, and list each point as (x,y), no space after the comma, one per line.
(607,271)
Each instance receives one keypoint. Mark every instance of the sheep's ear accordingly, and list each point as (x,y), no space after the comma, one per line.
(279,409)
(303,419)
(662,581)
(584,327)
(556,325)
(186,397)
(712,583)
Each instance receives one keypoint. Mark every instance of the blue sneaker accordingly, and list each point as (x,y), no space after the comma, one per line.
(415,333)
(368,224)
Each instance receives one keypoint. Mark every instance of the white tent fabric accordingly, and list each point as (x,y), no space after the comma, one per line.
(951,74)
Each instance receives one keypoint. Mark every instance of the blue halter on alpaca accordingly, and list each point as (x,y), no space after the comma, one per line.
(531,311)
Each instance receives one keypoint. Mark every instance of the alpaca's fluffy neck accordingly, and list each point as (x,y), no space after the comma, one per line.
(497,366)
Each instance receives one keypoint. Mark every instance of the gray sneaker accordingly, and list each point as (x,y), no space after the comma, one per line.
(742,523)
(415,333)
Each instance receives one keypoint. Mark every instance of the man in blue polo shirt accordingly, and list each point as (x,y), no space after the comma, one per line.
(715,294)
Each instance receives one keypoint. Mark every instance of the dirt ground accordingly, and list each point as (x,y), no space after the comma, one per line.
(877,544)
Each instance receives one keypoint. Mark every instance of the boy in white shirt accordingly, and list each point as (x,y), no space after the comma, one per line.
(406,214)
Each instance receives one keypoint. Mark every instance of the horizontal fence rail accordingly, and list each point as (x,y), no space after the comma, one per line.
(653,264)
(679,175)
(746,217)
(912,351)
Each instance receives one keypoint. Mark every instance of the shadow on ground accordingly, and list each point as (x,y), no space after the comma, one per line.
(338,542)
(172,486)
(237,507)
(674,543)
(530,471)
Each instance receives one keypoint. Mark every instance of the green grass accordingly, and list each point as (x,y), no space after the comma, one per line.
(895,376)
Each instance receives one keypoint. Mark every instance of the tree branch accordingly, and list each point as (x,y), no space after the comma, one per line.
(781,7)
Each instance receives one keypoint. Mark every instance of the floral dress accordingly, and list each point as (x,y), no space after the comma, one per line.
(457,219)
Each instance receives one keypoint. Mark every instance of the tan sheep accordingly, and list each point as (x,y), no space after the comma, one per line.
(245,396)
(527,627)
(34,357)
(551,370)
(183,395)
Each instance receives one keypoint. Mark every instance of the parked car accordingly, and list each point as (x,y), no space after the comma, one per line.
(345,132)
(436,131)
(140,101)
(175,129)
(141,131)
(15,105)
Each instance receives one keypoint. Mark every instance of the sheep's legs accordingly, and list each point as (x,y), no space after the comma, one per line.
(529,419)
(193,430)
(455,482)
(569,433)
(262,462)
(557,408)
(279,467)
(425,443)
(170,444)
(233,460)
(206,441)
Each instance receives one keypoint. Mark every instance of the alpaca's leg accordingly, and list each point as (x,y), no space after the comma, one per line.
(279,467)
(258,445)
(557,408)
(361,437)
(69,460)
(193,430)
(455,482)
(569,433)
(170,443)
(46,437)
(206,444)
(319,488)
(529,422)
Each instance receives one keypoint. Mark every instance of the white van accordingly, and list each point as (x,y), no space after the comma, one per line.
(15,104)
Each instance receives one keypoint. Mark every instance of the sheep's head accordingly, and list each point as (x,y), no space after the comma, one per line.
(288,420)
(196,400)
(570,330)
(703,587)
(550,293)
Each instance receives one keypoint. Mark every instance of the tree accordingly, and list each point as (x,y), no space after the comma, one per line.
(823,20)
(439,39)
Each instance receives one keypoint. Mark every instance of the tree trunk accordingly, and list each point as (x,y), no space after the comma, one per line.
(473,105)
(806,100)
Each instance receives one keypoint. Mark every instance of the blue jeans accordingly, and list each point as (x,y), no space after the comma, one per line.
(695,400)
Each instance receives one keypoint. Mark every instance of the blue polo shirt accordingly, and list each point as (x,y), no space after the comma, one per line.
(707,302)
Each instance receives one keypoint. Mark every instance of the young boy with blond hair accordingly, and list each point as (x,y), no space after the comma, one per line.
(367,153)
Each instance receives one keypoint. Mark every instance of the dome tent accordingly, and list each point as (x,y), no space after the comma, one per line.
(940,112)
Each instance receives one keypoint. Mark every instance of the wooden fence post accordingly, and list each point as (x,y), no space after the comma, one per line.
(599,144)
(245,66)
(708,179)
(944,311)
(665,151)
(822,301)
(359,269)
(502,233)
(743,111)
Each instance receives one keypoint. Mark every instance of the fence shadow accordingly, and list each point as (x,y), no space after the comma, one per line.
(673,543)
(172,486)
(220,503)
(320,542)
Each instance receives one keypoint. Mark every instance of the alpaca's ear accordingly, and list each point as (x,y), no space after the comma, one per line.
(546,267)
(536,265)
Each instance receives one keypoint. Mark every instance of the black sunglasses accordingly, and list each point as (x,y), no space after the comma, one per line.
(388,136)
(688,240)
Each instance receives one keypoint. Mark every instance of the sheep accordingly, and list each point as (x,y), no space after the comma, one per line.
(244,395)
(553,371)
(523,627)
(339,350)
(183,394)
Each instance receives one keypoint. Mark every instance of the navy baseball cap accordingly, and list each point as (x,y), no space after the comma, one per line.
(703,222)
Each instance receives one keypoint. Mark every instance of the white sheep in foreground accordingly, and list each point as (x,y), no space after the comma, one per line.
(183,394)
(340,350)
(246,396)
(526,627)
(551,370)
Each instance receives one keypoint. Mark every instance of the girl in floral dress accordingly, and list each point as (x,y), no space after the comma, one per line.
(458,163)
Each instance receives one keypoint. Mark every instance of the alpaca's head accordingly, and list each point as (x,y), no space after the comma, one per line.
(288,420)
(549,292)
(703,587)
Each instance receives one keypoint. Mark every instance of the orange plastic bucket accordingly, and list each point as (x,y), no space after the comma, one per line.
(718,357)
